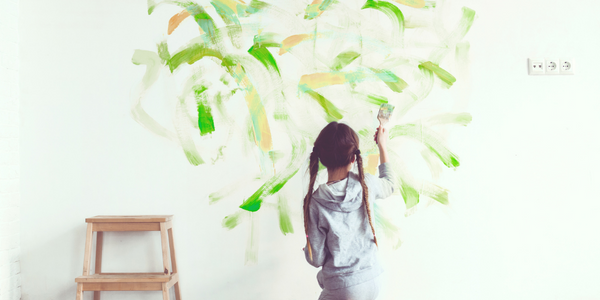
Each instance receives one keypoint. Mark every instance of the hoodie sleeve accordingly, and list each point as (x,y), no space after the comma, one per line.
(384,186)
(316,235)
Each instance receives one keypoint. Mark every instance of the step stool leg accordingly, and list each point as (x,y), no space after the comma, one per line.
(165,247)
(88,250)
(98,267)
(79,291)
(165,291)
(174,262)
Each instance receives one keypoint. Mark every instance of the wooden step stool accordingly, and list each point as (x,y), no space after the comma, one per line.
(99,281)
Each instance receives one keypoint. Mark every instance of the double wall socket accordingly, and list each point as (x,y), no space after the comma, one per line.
(550,66)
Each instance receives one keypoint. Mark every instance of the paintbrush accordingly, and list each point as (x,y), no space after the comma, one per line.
(385,112)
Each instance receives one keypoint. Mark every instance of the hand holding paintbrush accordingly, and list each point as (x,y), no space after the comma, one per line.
(385,111)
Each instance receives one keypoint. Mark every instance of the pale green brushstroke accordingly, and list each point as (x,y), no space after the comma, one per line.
(462,119)
(235,219)
(394,82)
(163,51)
(256,6)
(252,245)
(435,192)
(343,59)
(429,139)
(409,194)
(463,27)
(382,222)
(461,53)
(152,62)
(276,155)
(152,4)
(227,14)
(314,10)
(441,73)
(186,141)
(230,17)
(432,162)
(430,4)
(285,223)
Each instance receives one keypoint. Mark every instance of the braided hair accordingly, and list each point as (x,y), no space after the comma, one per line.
(335,147)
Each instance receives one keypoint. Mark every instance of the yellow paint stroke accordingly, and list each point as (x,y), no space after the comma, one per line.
(232,4)
(292,41)
(262,132)
(372,163)
(318,80)
(176,20)
(412,3)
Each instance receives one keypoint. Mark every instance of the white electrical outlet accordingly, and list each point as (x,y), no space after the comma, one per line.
(552,66)
(536,66)
(567,66)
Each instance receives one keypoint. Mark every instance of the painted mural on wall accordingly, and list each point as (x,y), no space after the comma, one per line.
(261,79)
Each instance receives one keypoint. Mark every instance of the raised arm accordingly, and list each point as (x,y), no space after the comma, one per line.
(383,186)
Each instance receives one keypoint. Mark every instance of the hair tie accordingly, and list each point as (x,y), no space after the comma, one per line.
(357,152)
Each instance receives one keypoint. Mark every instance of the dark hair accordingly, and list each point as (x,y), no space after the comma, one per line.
(335,147)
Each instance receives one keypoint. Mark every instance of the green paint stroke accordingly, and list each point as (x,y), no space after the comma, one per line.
(392,12)
(267,39)
(330,109)
(394,82)
(375,99)
(206,123)
(201,17)
(409,194)
(429,139)
(441,73)
(343,59)
(285,222)
(262,54)
(278,181)
(272,186)
(191,54)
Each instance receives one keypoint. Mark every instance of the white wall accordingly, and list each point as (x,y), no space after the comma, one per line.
(523,219)
(10,277)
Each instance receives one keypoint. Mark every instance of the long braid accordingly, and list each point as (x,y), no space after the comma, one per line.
(361,175)
(314,169)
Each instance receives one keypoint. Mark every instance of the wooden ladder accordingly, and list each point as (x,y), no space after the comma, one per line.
(160,281)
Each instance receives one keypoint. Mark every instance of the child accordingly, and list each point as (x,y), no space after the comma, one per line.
(340,236)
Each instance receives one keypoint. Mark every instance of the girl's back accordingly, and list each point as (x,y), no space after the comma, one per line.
(338,221)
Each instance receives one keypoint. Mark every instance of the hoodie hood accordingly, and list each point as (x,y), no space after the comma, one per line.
(344,196)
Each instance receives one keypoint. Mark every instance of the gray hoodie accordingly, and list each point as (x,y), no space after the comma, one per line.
(339,231)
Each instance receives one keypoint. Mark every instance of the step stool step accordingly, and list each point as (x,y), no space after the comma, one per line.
(126,277)
(129,219)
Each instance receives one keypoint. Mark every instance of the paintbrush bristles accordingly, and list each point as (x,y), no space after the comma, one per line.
(385,112)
